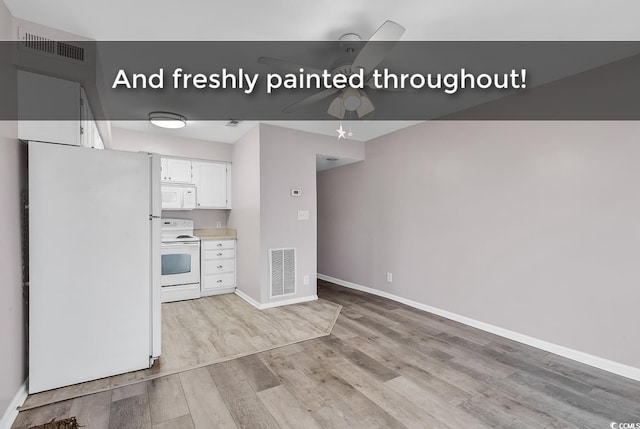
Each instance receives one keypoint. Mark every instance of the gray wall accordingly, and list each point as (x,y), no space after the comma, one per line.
(164,144)
(245,214)
(529,226)
(130,140)
(288,160)
(202,219)
(12,358)
(267,163)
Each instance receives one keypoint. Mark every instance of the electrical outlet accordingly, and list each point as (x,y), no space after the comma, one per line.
(218,224)
(303,214)
(389,277)
(305,280)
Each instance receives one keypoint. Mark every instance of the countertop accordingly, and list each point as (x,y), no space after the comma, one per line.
(216,234)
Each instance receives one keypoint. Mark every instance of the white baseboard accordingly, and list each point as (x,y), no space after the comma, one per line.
(247,298)
(259,306)
(586,358)
(11,412)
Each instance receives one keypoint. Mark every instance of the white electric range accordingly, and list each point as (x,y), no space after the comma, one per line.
(180,250)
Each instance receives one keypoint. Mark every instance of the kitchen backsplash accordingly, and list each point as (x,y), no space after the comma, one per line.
(202,219)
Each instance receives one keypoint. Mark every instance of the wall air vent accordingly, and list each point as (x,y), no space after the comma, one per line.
(68,50)
(38,43)
(283,271)
(47,46)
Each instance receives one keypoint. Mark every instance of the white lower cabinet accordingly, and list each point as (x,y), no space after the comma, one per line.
(217,267)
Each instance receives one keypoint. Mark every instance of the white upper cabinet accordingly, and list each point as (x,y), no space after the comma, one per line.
(97,141)
(176,170)
(46,97)
(212,180)
(164,170)
(89,134)
(213,184)
(65,106)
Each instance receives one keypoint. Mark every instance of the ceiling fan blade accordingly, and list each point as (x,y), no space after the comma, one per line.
(310,99)
(378,46)
(335,108)
(366,106)
(287,66)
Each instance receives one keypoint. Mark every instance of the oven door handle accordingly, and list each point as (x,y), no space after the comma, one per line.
(194,244)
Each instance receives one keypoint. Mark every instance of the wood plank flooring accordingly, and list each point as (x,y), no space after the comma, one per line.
(209,330)
(384,365)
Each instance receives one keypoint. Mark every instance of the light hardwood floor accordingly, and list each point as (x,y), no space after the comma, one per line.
(209,330)
(385,365)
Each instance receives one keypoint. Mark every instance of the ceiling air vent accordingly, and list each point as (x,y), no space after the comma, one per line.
(233,123)
(283,271)
(47,46)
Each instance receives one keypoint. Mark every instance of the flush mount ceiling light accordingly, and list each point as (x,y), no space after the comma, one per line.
(167,120)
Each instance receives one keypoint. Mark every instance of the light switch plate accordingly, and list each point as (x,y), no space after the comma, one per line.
(303,214)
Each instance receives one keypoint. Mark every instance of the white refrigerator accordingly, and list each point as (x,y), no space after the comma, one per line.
(94,263)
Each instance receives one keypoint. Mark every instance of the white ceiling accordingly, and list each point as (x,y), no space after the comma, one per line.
(218,131)
(327,20)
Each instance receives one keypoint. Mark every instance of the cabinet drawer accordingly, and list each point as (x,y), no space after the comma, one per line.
(208,255)
(219,266)
(218,244)
(218,280)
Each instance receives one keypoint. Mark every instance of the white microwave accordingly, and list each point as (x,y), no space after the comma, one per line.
(178,197)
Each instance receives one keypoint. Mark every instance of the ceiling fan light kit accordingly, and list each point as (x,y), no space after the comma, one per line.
(336,109)
(366,106)
(351,99)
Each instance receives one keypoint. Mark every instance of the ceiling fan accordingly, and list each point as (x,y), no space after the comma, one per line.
(367,58)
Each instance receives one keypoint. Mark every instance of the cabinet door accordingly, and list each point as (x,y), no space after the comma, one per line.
(86,131)
(179,171)
(97,138)
(217,281)
(42,96)
(211,183)
(164,169)
(89,133)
